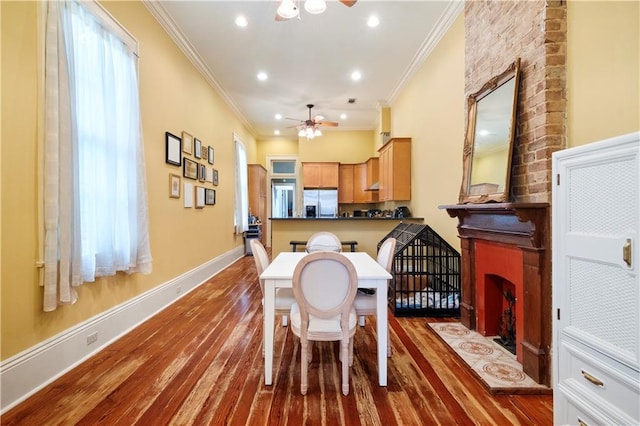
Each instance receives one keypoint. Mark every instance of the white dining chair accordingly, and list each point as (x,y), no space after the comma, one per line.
(324,285)
(284,296)
(323,241)
(365,303)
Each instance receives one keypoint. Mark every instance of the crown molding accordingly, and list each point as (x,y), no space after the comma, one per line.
(183,43)
(439,30)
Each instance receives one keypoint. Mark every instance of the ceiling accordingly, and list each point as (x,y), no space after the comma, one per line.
(308,60)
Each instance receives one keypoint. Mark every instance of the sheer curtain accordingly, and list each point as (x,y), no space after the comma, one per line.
(242,190)
(95,191)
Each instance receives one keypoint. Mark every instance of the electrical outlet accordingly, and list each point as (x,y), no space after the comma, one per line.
(92,338)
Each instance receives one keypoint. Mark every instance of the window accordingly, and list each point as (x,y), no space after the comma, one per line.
(94,186)
(286,167)
(241,217)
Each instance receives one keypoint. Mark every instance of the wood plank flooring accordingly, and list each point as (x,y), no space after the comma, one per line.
(199,362)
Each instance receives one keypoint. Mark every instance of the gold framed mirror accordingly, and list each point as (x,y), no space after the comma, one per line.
(488,144)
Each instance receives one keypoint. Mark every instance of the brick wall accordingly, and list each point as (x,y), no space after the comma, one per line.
(496,33)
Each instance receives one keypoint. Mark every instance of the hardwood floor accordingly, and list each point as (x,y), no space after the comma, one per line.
(200,362)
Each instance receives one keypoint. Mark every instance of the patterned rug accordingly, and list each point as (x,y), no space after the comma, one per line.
(492,363)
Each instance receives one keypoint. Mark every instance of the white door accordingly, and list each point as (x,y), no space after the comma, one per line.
(596,289)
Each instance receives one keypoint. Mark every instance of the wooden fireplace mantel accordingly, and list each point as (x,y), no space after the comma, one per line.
(524,226)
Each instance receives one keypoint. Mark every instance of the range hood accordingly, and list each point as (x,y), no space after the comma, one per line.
(374,187)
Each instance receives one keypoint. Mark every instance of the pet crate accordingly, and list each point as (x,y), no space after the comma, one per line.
(426,273)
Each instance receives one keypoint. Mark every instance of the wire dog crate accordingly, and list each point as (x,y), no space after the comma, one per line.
(426,273)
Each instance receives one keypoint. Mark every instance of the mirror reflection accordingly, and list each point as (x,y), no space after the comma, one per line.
(489,139)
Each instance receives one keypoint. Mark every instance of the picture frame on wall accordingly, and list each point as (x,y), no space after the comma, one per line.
(197,148)
(210,196)
(173,149)
(210,154)
(190,169)
(200,197)
(188,195)
(187,143)
(202,174)
(174,186)
(215,177)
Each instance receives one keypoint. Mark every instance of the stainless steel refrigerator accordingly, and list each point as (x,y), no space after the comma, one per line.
(324,200)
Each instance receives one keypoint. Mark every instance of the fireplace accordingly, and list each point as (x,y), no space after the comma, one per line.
(505,248)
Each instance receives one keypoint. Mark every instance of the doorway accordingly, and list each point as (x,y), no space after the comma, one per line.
(283,196)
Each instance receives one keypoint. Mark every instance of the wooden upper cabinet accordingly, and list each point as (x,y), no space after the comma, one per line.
(395,170)
(346,187)
(365,175)
(320,175)
(257,188)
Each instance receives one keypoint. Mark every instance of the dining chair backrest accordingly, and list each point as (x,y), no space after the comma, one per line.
(386,253)
(324,241)
(324,285)
(261,258)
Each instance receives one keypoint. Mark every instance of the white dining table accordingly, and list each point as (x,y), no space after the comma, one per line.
(279,274)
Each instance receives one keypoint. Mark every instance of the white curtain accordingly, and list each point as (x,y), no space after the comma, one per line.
(95,192)
(242,190)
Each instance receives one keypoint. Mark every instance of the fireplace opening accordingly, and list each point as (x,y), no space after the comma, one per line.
(507,324)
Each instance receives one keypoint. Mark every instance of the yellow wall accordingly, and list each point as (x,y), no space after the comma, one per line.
(174,97)
(603,70)
(275,146)
(336,145)
(430,110)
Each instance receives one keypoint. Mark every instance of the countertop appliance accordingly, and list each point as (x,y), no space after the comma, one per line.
(402,211)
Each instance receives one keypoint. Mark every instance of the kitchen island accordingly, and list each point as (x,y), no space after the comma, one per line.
(367,231)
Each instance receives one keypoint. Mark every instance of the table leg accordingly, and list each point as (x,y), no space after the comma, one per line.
(382,328)
(269,325)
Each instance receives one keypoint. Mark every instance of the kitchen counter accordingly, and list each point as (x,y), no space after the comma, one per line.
(366,231)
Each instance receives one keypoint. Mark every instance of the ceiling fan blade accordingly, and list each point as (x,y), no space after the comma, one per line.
(318,118)
(348,3)
(328,123)
(296,119)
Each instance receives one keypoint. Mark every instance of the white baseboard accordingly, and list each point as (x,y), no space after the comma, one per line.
(29,371)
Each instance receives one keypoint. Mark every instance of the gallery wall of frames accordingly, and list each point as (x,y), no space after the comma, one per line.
(196,184)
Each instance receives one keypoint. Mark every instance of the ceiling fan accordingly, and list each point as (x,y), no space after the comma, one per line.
(290,8)
(311,127)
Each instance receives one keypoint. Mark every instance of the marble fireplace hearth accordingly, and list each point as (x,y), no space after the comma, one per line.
(505,246)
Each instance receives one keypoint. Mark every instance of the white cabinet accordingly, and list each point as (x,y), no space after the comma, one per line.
(596,285)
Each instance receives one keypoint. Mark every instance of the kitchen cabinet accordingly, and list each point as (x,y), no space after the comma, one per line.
(321,175)
(257,188)
(596,284)
(365,175)
(346,184)
(395,170)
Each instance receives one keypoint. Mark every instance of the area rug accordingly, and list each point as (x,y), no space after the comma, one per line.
(493,364)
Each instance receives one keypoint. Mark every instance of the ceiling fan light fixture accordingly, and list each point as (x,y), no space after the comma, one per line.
(287,9)
(317,132)
(309,132)
(315,6)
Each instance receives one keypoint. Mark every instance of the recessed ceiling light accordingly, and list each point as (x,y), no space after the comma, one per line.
(343,116)
(278,116)
(276,132)
(373,21)
(356,75)
(241,21)
(262,76)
